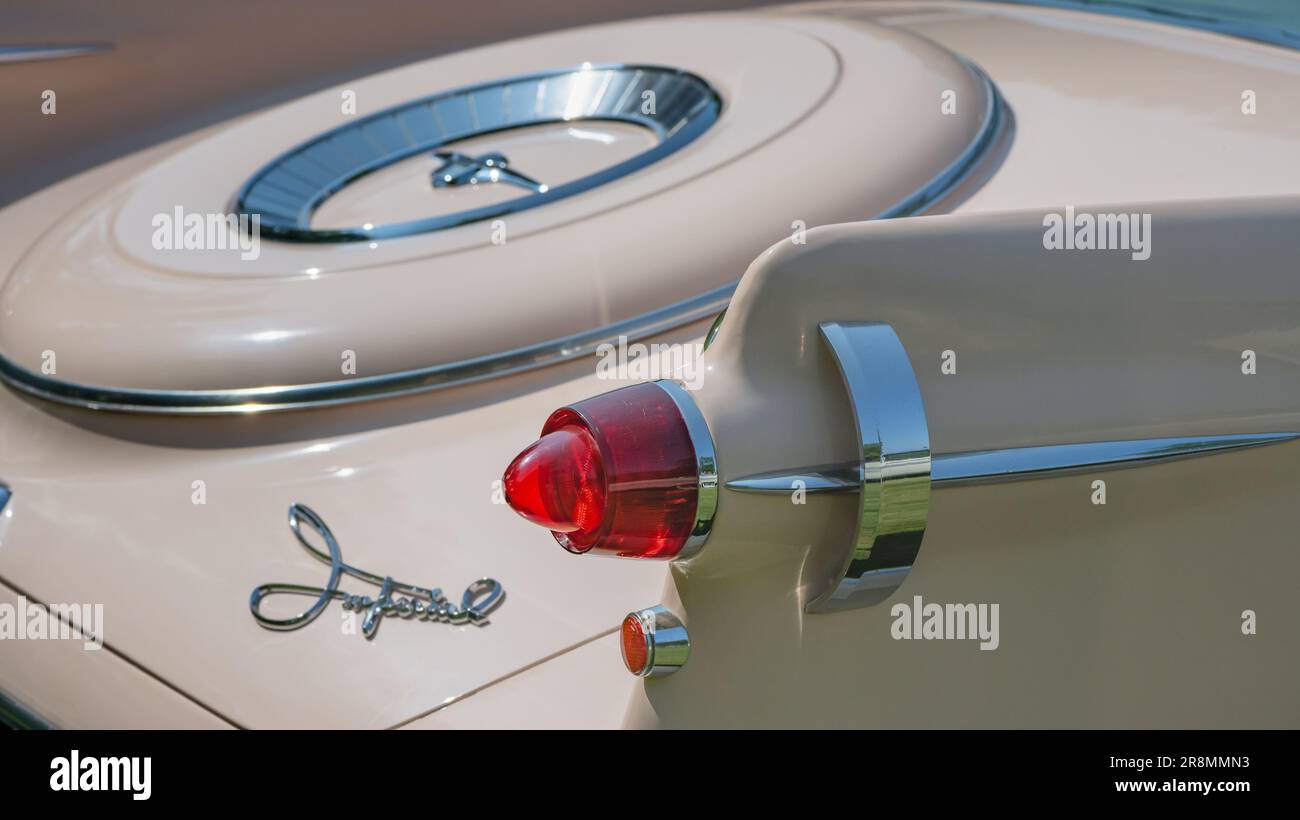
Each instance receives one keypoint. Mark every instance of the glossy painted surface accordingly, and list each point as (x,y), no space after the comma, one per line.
(103,507)
(414,501)
(1110,613)
(217,321)
(277,64)
(587,687)
(1110,109)
(67,685)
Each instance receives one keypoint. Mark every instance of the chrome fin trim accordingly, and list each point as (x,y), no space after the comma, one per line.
(893,463)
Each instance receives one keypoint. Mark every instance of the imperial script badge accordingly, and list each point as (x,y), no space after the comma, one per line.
(480,597)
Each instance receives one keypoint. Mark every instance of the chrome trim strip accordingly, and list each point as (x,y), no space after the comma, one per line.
(706,462)
(277,398)
(14,715)
(329,394)
(1018,463)
(893,469)
(32,54)
(992,126)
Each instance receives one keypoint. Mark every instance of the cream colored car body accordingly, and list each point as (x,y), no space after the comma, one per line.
(1132,619)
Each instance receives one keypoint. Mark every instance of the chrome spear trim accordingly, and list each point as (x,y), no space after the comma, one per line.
(1015,463)
(894,470)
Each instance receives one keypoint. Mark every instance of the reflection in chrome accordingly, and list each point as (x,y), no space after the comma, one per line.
(31,54)
(1022,463)
(462,169)
(714,329)
(5,493)
(893,468)
(288,190)
(894,471)
(706,465)
(1015,463)
(276,398)
(825,479)
(14,715)
(425,604)
(252,400)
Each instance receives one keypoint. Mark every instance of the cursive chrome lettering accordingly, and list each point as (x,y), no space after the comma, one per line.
(395,598)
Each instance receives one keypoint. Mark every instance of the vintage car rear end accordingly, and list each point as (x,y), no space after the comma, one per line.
(359,307)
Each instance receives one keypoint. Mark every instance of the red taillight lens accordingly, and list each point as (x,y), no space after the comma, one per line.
(558,481)
(624,473)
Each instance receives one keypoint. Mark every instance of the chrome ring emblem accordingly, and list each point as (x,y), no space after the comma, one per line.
(675,105)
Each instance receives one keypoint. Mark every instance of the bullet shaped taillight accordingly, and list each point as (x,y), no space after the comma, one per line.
(630,473)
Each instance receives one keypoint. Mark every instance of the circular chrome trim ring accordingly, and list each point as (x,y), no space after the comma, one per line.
(668,645)
(706,466)
(278,398)
(287,190)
